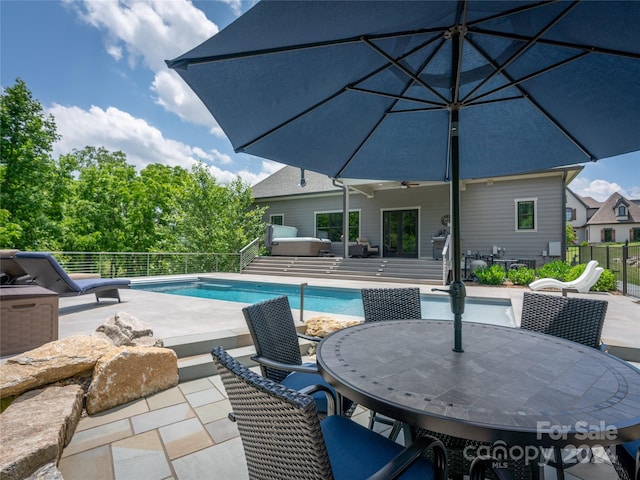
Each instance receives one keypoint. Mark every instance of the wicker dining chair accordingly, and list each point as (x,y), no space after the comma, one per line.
(284,438)
(625,458)
(576,319)
(275,338)
(390,304)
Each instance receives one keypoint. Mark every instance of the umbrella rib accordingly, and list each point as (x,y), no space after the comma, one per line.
(557,43)
(242,148)
(408,72)
(527,95)
(471,101)
(523,49)
(514,11)
(394,96)
(184,63)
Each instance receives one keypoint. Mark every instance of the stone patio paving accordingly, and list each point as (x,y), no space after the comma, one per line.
(183,433)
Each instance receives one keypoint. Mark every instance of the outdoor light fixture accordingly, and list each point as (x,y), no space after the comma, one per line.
(303,182)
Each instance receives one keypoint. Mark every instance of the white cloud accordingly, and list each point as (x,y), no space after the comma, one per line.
(117,130)
(149,32)
(600,189)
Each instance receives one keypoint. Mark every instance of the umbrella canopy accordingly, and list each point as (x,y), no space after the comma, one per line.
(425,90)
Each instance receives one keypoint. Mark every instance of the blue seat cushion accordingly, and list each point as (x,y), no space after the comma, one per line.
(299,380)
(357,452)
(632,447)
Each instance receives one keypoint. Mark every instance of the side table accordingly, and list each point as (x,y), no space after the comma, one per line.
(28,318)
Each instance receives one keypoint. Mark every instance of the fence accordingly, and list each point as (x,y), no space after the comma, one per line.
(144,264)
(622,260)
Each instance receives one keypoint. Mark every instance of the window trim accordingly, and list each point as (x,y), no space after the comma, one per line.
(271,215)
(517,201)
(320,212)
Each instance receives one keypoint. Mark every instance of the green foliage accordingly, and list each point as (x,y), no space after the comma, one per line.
(556,269)
(521,276)
(493,275)
(27,171)
(571,236)
(93,200)
(606,282)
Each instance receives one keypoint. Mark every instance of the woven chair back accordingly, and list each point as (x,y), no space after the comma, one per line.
(577,319)
(274,334)
(391,304)
(279,427)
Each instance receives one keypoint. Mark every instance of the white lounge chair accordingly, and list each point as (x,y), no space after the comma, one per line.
(582,284)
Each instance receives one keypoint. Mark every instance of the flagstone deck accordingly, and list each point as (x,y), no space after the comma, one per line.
(183,433)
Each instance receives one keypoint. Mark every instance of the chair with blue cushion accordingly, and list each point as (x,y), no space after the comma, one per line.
(275,338)
(46,272)
(284,438)
(626,459)
(381,304)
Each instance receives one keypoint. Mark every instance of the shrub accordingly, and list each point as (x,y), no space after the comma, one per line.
(521,276)
(556,269)
(493,275)
(606,283)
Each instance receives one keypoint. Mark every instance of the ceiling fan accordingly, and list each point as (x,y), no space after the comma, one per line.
(408,184)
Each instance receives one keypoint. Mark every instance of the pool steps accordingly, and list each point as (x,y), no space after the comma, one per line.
(399,270)
(194,351)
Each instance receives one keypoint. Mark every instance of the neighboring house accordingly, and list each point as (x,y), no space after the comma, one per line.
(520,217)
(617,219)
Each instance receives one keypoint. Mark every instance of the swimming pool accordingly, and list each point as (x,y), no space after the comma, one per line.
(344,301)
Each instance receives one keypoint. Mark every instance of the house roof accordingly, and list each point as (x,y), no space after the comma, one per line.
(606,214)
(286,181)
(591,202)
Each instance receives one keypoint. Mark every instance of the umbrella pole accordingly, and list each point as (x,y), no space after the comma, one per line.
(457,292)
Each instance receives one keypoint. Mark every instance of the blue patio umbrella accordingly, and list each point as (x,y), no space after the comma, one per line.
(425,90)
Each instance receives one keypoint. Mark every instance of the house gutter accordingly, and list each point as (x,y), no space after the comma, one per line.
(563,238)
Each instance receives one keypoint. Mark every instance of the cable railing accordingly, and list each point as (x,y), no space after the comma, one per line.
(146,264)
(248,253)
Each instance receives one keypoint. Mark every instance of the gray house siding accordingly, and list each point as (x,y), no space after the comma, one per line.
(488,216)
(488,213)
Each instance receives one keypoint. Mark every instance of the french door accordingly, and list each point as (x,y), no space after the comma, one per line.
(400,233)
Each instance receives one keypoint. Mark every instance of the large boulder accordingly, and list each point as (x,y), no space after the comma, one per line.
(124,329)
(35,429)
(53,361)
(128,373)
(323,325)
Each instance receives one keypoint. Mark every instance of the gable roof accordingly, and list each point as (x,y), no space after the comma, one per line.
(286,181)
(606,214)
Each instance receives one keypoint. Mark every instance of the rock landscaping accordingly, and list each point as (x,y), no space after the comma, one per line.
(44,391)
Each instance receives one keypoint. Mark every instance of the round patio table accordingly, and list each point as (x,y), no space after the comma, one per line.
(509,384)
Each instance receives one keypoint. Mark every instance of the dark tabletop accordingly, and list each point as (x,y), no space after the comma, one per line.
(509,384)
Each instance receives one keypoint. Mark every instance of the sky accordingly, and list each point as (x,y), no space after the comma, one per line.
(98,67)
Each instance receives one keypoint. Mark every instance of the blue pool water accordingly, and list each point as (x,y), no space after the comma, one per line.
(345,301)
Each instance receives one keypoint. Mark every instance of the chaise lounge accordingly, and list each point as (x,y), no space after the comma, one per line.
(582,284)
(46,272)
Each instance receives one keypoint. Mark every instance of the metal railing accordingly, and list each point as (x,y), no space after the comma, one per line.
(145,264)
(622,260)
(248,253)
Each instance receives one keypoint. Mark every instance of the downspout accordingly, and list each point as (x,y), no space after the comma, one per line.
(345,217)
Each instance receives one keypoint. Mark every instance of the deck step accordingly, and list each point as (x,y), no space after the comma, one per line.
(194,351)
(414,270)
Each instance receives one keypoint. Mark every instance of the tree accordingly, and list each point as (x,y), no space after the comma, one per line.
(216,218)
(571,237)
(97,211)
(26,171)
